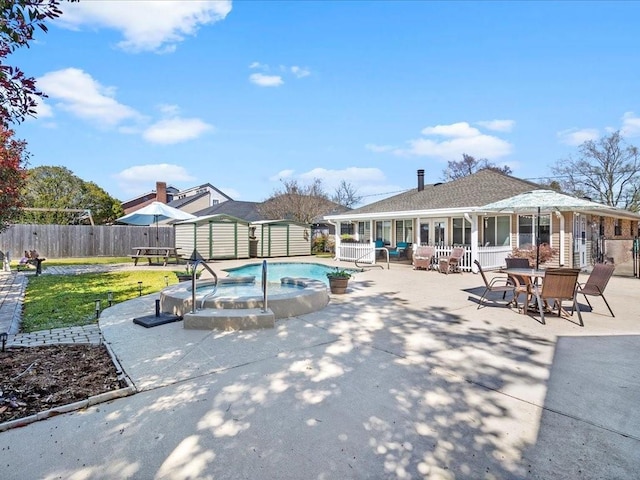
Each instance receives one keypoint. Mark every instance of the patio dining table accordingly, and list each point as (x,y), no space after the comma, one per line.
(532,275)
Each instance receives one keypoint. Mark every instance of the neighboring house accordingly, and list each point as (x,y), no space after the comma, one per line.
(206,194)
(162,193)
(448,214)
(189,200)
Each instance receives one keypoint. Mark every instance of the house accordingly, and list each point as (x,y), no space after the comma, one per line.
(197,198)
(189,200)
(162,193)
(452,213)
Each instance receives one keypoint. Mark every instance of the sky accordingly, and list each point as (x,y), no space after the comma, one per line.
(246,95)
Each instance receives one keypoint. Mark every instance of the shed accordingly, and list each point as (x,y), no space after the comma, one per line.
(213,237)
(280,238)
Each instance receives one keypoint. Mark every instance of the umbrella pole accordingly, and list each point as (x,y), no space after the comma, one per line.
(538,240)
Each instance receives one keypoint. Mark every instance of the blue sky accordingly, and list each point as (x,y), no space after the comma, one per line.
(242,95)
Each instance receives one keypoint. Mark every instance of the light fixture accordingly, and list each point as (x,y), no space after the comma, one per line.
(97,308)
(166,281)
(110,297)
(139,289)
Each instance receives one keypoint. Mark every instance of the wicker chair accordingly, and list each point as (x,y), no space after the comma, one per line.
(452,262)
(424,257)
(493,285)
(559,284)
(597,282)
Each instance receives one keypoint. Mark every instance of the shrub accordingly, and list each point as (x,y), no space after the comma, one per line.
(546,253)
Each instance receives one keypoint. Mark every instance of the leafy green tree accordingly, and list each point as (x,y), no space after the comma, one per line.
(13,161)
(469,165)
(606,170)
(55,189)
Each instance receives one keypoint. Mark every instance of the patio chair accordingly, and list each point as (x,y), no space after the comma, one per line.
(452,262)
(521,284)
(596,283)
(399,251)
(494,284)
(424,257)
(559,284)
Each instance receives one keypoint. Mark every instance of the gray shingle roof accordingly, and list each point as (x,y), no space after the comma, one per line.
(245,210)
(474,190)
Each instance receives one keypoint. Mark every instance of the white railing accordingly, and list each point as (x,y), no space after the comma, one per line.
(350,252)
(491,258)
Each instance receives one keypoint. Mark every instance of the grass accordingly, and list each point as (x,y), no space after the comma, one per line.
(54,301)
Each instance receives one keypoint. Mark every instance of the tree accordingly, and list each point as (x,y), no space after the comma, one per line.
(469,165)
(346,195)
(607,171)
(301,203)
(19,19)
(13,161)
(58,188)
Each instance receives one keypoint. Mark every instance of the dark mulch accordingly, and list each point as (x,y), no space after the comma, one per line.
(35,379)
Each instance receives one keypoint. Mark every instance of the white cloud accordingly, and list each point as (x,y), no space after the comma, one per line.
(300,72)
(630,125)
(175,130)
(43,110)
(137,178)
(77,92)
(459,138)
(575,137)
(266,80)
(146,25)
(258,65)
(498,125)
(460,129)
(282,174)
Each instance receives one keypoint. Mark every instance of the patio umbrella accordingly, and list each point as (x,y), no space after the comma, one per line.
(153,213)
(535,201)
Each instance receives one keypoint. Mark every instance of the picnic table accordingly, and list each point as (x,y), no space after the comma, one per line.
(150,253)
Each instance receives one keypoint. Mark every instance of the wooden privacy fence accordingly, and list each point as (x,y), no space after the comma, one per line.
(64,241)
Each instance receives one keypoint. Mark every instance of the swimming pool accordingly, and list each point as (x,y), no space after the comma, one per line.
(278,270)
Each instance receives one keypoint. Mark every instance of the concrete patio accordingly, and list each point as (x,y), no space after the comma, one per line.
(402,377)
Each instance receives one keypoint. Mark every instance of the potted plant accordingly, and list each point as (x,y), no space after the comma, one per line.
(186,274)
(338,280)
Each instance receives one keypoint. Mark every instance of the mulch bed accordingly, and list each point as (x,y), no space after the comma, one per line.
(35,379)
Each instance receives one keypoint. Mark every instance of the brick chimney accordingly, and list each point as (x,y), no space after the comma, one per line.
(420,180)
(161,192)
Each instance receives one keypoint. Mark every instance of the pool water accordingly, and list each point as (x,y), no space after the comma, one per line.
(275,271)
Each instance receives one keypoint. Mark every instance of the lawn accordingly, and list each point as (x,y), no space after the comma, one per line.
(54,301)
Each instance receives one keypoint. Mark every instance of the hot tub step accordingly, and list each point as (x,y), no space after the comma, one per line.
(229,319)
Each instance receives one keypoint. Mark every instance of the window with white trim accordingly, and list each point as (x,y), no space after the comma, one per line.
(404,231)
(527,230)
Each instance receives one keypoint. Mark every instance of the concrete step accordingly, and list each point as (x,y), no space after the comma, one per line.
(229,319)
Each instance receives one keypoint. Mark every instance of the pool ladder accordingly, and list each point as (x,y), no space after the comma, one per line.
(194,282)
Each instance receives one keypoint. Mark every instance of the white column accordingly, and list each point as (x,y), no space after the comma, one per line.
(474,241)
